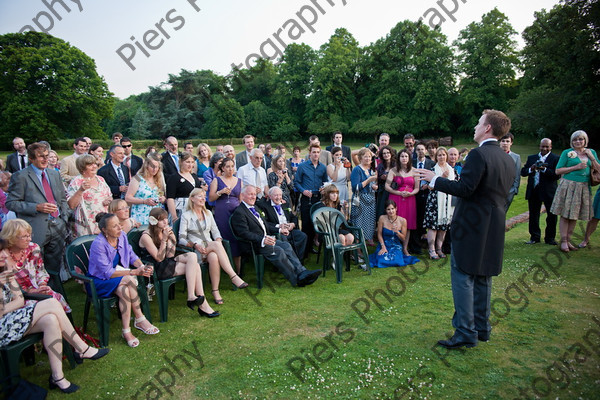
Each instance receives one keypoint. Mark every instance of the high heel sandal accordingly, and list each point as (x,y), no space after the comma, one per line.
(72,388)
(135,342)
(571,247)
(564,247)
(79,356)
(150,331)
(433,255)
(440,253)
(217,301)
(196,302)
(583,244)
(242,285)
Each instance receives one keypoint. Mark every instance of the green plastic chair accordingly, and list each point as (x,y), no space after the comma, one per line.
(77,254)
(327,222)
(259,259)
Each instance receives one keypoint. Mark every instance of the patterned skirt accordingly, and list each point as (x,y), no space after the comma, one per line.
(572,200)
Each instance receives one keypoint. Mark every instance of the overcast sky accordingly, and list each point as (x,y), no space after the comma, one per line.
(203,34)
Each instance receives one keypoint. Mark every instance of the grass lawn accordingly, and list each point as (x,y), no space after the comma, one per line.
(370,337)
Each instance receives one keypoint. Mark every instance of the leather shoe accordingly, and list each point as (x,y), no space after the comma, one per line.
(552,242)
(483,338)
(532,242)
(454,343)
(308,277)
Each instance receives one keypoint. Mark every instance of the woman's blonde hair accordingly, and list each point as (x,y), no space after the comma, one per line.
(113,207)
(12,228)
(207,147)
(190,205)
(159,179)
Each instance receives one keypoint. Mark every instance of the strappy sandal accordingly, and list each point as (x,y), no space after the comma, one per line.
(433,255)
(135,342)
(217,301)
(242,285)
(150,331)
(440,253)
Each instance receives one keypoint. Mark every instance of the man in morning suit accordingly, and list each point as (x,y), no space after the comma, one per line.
(541,186)
(131,161)
(170,158)
(337,142)
(115,173)
(249,225)
(477,228)
(17,160)
(279,215)
(37,195)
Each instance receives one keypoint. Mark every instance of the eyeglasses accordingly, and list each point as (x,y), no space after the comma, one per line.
(126,145)
(123,208)
(579,139)
(23,237)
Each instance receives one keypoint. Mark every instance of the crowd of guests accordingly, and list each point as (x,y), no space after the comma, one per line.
(251,199)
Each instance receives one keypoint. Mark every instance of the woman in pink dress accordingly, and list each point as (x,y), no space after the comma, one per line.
(403,184)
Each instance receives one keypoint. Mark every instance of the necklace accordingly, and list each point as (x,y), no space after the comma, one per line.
(394,221)
(20,260)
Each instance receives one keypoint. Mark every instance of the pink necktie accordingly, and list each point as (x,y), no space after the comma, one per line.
(48,193)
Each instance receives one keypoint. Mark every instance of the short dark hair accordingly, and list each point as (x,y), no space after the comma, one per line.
(117,134)
(113,147)
(508,136)
(125,139)
(409,136)
(79,139)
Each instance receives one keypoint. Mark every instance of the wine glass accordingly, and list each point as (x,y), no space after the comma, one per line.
(228,194)
(273,251)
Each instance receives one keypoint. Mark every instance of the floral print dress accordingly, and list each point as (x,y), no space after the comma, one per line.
(14,324)
(90,206)
(141,212)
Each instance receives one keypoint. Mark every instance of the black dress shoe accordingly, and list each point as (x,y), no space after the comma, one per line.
(532,242)
(483,338)
(72,388)
(79,359)
(453,343)
(308,277)
(205,314)
(552,242)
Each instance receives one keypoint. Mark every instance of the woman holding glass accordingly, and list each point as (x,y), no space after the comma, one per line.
(363,180)
(180,185)
(279,177)
(387,161)
(339,174)
(146,189)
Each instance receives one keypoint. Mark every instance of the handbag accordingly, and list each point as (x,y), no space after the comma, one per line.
(594,176)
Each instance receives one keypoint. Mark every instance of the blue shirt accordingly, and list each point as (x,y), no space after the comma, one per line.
(310,178)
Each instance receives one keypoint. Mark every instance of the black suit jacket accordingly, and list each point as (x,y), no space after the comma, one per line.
(548,178)
(135,164)
(245,225)
(477,227)
(271,215)
(169,167)
(427,164)
(110,176)
(13,163)
(346,152)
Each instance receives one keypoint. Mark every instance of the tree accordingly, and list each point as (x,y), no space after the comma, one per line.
(224,118)
(561,80)
(140,125)
(261,120)
(256,83)
(488,60)
(49,89)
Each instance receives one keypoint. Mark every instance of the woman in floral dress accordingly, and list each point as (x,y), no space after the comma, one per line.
(147,189)
(87,194)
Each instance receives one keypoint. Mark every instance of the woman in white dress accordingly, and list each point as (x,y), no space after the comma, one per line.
(339,174)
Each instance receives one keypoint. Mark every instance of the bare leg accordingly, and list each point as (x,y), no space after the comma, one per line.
(187,264)
(405,243)
(214,270)
(563,228)
(570,229)
(431,234)
(589,230)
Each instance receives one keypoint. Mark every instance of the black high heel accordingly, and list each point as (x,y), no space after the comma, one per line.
(79,359)
(243,285)
(52,385)
(196,302)
(205,314)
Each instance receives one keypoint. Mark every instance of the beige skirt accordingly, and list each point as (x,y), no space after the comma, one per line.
(572,200)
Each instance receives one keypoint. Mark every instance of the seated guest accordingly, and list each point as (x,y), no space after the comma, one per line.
(19,318)
(147,189)
(121,210)
(159,242)
(331,198)
(26,260)
(88,195)
(391,229)
(248,224)
(199,230)
(180,184)
(109,267)
(279,218)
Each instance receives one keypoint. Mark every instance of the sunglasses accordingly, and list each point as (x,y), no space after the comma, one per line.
(126,145)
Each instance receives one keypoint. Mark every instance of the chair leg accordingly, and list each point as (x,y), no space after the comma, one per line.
(259,263)
(86,313)
(163,300)
(145,304)
(103,320)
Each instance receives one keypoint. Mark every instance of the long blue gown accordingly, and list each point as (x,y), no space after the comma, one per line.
(395,256)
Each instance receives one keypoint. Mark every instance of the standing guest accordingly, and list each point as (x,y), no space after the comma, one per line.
(462,154)
(280,178)
(337,142)
(199,230)
(158,241)
(131,161)
(115,173)
(477,249)
(98,152)
(213,171)
(422,162)
(203,161)
(409,144)
(325,156)
(229,152)
(384,139)
(402,184)
(391,229)
(364,185)
(439,209)
(147,189)
(180,184)
(4,212)
(453,160)
(53,160)
(432,147)
(309,178)
(268,155)
(541,186)
(170,158)
(505,144)
(18,160)
(121,210)
(280,219)
(339,174)
(220,148)
(150,149)
(225,193)
(68,169)
(572,200)
(37,195)
(26,261)
(253,174)
(88,195)
(387,155)
(19,318)
(189,148)
(294,163)
(110,270)
(593,223)
(243,157)
(249,225)
(88,141)
(116,137)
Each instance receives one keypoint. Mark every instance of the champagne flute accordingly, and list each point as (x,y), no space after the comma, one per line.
(273,246)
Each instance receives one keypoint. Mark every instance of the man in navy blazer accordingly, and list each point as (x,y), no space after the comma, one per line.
(248,224)
(540,170)
(46,213)
(110,172)
(477,228)
(337,142)
(131,161)
(17,160)
(170,158)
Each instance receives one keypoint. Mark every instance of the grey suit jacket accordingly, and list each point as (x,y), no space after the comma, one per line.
(517,181)
(25,192)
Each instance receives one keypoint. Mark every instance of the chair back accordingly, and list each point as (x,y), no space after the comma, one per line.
(176,225)
(327,222)
(78,254)
(133,237)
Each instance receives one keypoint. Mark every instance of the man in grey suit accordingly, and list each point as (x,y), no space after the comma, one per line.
(477,228)
(36,194)
(505,144)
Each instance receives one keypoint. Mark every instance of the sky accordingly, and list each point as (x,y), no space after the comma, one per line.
(137,44)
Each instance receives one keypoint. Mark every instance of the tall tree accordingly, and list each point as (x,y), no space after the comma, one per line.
(224,118)
(49,89)
(256,83)
(561,81)
(488,61)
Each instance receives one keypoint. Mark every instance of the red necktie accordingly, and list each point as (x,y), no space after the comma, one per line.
(48,193)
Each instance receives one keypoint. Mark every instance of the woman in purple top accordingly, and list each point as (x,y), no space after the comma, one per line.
(109,268)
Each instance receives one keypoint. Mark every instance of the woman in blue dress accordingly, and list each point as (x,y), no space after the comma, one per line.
(391,230)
